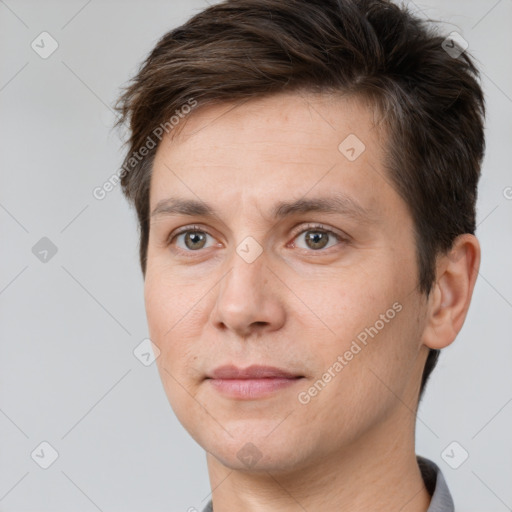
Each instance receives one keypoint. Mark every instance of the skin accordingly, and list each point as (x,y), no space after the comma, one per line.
(296,306)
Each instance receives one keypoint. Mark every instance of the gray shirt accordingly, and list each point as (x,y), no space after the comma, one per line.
(434,482)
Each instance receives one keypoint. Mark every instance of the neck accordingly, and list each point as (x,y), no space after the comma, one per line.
(377,472)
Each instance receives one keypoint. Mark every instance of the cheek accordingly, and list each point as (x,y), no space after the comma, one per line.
(157,310)
(369,378)
(372,326)
(173,327)
(169,300)
(176,317)
(349,301)
(163,313)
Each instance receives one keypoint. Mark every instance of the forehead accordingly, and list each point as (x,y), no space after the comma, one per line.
(285,145)
(305,119)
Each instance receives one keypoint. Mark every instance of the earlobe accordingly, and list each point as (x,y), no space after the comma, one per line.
(449,300)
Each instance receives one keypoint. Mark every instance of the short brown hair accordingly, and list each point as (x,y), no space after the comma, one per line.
(432,103)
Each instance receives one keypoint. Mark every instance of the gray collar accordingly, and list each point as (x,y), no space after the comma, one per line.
(436,485)
(434,482)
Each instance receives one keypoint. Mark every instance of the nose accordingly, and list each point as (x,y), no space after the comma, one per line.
(248,301)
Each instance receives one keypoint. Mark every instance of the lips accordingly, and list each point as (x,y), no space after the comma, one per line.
(251,372)
(251,389)
(252,383)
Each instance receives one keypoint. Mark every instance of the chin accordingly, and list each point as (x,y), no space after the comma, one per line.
(258,455)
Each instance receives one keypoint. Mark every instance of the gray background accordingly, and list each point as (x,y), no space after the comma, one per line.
(69,325)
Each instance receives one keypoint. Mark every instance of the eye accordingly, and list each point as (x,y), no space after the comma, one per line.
(317,237)
(193,239)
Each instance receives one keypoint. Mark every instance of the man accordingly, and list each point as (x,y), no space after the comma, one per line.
(305,177)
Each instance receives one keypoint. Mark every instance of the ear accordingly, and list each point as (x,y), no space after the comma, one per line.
(448,302)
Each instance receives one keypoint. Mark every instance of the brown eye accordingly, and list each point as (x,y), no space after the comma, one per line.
(190,240)
(194,239)
(317,239)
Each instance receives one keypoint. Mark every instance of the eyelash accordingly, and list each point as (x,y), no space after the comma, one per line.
(308,227)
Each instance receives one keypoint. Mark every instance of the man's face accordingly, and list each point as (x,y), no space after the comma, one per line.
(245,287)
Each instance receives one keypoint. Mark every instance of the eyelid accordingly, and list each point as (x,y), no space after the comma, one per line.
(310,226)
(184,229)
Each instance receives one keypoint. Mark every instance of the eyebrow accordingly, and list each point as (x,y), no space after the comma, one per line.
(338,203)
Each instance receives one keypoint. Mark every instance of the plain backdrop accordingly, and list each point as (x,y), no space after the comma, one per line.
(70,321)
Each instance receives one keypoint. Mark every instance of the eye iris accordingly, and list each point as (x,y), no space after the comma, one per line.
(195,237)
(313,236)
